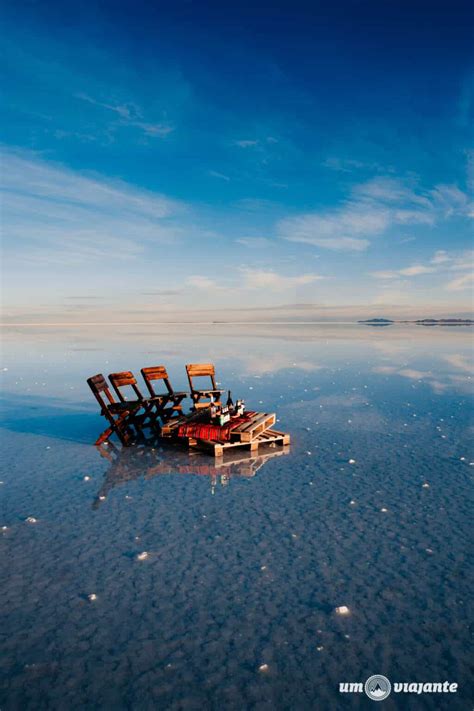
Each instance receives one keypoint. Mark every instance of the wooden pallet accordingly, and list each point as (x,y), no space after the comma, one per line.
(250,430)
(171,427)
(268,438)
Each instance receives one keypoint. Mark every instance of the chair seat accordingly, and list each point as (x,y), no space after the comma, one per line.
(122,406)
(208,392)
(167,396)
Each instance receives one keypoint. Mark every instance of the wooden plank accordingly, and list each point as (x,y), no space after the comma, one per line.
(200,369)
(269,437)
(169,428)
(157,372)
(254,427)
(278,437)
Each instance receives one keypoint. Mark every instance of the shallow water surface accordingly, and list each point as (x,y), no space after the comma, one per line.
(234,605)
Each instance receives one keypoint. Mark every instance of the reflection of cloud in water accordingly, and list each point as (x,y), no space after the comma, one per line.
(264,364)
(390,348)
(461,362)
(339,412)
(349,400)
(414,374)
(442,380)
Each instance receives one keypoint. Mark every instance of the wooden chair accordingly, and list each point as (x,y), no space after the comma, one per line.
(123,417)
(126,379)
(203,370)
(168,404)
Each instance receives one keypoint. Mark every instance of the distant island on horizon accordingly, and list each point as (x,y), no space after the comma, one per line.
(420,322)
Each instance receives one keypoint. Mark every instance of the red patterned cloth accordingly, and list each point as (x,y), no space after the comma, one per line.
(214,433)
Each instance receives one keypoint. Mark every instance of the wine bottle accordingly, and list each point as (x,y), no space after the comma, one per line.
(229,403)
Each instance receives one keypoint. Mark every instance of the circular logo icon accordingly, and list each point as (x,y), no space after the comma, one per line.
(377,687)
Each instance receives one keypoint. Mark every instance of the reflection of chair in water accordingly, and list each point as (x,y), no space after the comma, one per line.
(129,464)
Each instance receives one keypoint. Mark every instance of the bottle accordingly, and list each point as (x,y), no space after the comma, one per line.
(230,404)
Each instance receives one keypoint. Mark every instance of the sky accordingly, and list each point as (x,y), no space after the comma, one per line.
(284,159)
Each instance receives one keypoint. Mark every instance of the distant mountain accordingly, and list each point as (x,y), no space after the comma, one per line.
(421,322)
(377,321)
(445,322)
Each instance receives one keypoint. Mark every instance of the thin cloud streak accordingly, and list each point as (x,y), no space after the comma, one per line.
(371,210)
(54,215)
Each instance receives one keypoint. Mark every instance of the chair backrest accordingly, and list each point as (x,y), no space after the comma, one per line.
(156,372)
(124,379)
(201,370)
(100,387)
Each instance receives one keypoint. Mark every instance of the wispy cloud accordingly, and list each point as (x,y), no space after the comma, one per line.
(415,270)
(203,282)
(59,216)
(254,242)
(131,115)
(371,210)
(442,262)
(348,165)
(440,257)
(216,174)
(246,143)
(253,279)
(264,278)
(462,283)
(344,229)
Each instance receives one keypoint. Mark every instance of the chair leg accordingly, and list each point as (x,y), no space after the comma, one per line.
(121,428)
(104,436)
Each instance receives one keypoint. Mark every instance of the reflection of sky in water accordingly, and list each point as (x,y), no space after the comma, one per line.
(251,575)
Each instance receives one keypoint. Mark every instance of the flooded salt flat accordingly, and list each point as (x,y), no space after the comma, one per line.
(146,578)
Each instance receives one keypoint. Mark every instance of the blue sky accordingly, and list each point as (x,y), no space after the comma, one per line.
(184,156)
